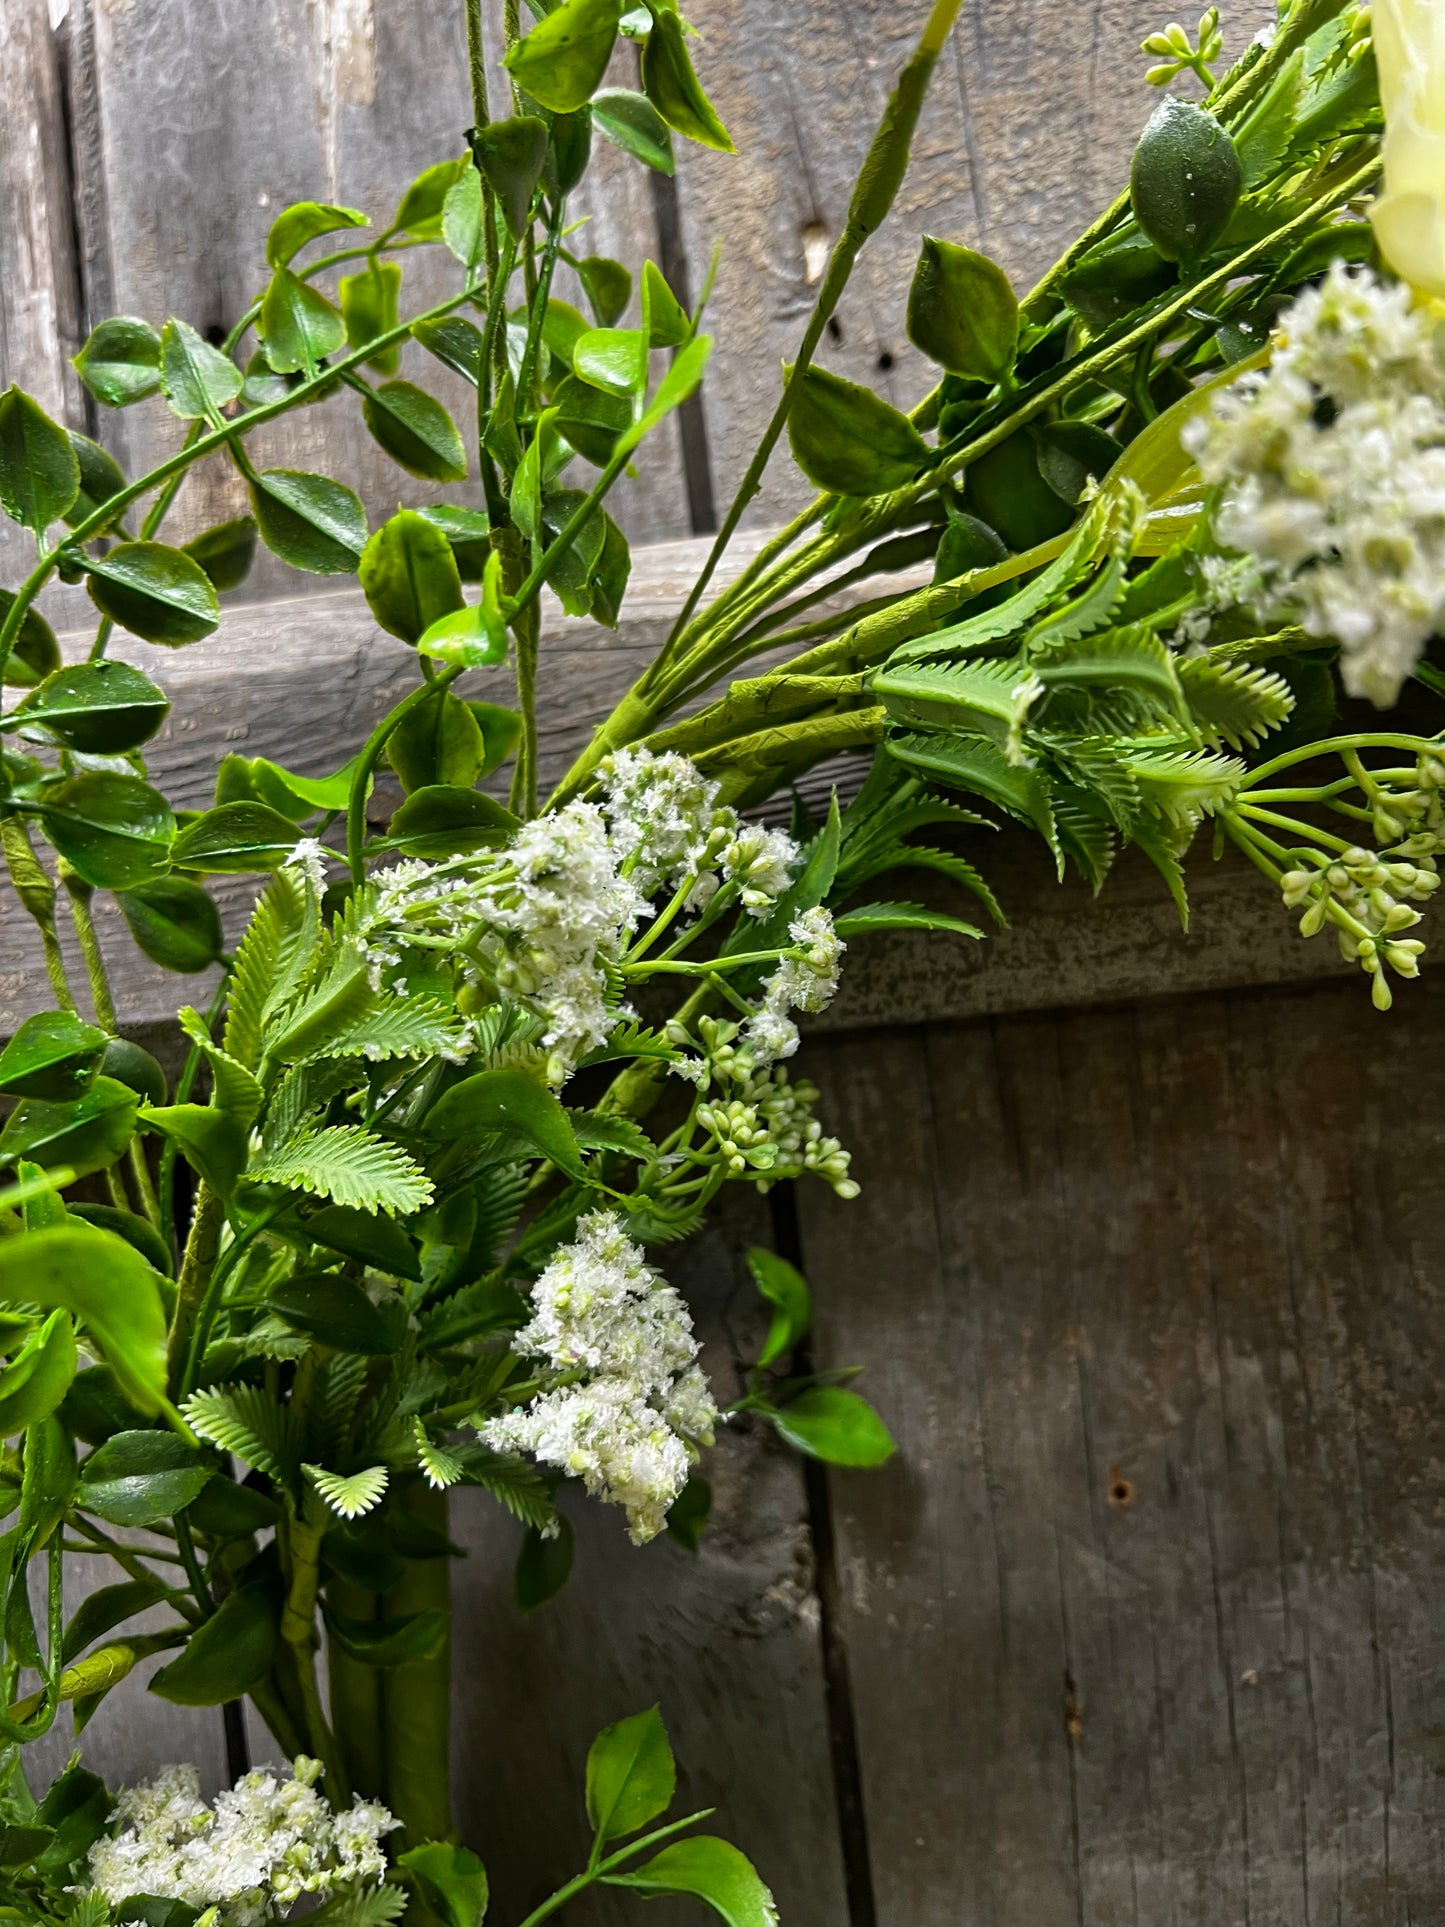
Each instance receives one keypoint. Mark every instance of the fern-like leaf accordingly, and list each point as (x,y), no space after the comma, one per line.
(397,1027)
(353,1496)
(267,955)
(597,1131)
(1094,764)
(337,1001)
(362,1907)
(238,1093)
(631,1040)
(440,1468)
(1183,784)
(515,1482)
(300,1093)
(349,1165)
(921,856)
(242,1420)
(335,1397)
(1234,703)
(1085,835)
(1161,852)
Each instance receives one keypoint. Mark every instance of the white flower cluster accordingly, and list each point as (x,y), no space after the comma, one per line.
(629,1428)
(808,983)
(1369,895)
(761,1122)
(667,825)
(1333,460)
(264,1844)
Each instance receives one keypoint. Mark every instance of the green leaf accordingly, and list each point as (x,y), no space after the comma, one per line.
(874,919)
(544,1565)
(299,326)
(370,1240)
(475,636)
(786,1290)
(975,764)
(109,1287)
(466,530)
(388,1642)
(461,225)
(1007,489)
(225,1510)
(501,729)
(452,1880)
(850,441)
(282,790)
(1183,783)
(505,1100)
(350,1497)
(673,88)
(590,419)
(116,831)
(664,320)
(235,838)
(121,361)
(409,576)
(562,328)
(631,122)
(569,151)
(213,1144)
(562,60)
(101,708)
(35,652)
(21,1844)
(613,359)
(77,1808)
(349,1165)
(225,552)
(174,922)
(419,212)
(53,1055)
(439,822)
(227,1655)
(39,471)
(962,312)
(631,1777)
(38,1377)
(455,342)
(510,153)
(197,380)
(1234,703)
(244,1421)
(306,221)
(160,594)
(101,477)
(439,742)
(608,286)
(310,521)
(1185,179)
(110,1607)
(682,377)
(337,1311)
(416,431)
(139,1478)
(835,1425)
(369,307)
(711,1870)
(137,1232)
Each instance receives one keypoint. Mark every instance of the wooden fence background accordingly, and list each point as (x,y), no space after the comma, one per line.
(1142,1625)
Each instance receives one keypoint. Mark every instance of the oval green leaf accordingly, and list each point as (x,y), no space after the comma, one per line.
(310,521)
(54,1054)
(226,1656)
(116,831)
(409,576)
(121,361)
(562,60)
(101,708)
(160,594)
(416,431)
(175,922)
(235,839)
(830,1423)
(109,1287)
(39,471)
(138,1478)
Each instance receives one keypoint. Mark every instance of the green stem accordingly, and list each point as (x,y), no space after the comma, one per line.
(36,891)
(417,1696)
(203,1241)
(298,1631)
(1339,745)
(369,758)
(190,1071)
(80,893)
(601,1868)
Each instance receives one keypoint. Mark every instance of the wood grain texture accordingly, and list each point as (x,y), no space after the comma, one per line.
(1144,1622)
(1025,137)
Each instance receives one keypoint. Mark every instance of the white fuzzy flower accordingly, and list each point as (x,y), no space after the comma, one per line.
(761,862)
(1333,461)
(309,857)
(665,821)
(807,983)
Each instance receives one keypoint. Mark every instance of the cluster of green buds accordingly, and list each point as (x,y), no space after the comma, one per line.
(761,1120)
(1175,51)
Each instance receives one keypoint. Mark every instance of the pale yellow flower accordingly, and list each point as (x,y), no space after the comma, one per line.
(1409,216)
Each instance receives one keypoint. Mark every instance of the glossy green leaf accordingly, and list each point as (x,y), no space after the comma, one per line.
(786,1290)
(225,1510)
(306,221)
(455,341)
(225,552)
(416,431)
(452,1880)
(388,1642)
(367,1237)
(631,122)
(196,379)
(54,1054)
(631,1777)
(80,1134)
(370,307)
(1185,179)
(129,1063)
(608,287)
(591,420)
(76,1809)
(830,1423)
(38,1377)
(299,326)
(101,478)
(95,1407)
(39,471)
(710,1870)
(108,1286)
(569,150)
(544,1566)
(462,221)
(338,1312)
(175,922)
(160,594)
(510,153)
(35,653)
(562,60)
(467,531)
(664,320)
(297,797)
(850,441)
(121,361)
(673,88)
(1008,490)
(614,359)
(102,1611)
(438,822)
(562,328)
(501,729)
(310,521)
(141,1235)
(102,708)
(439,742)
(475,636)
(512,1101)
(213,1144)
(139,1478)
(419,212)
(962,312)
(409,575)
(116,831)
(225,1657)
(236,838)
(966,544)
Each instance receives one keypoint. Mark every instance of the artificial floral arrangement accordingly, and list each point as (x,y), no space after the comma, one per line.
(465,1081)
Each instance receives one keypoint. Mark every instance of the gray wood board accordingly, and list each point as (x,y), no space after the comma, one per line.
(1144,1621)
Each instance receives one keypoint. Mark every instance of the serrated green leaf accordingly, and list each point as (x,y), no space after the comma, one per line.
(242,1420)
(1234,703)
(350,1497)
(349,1165)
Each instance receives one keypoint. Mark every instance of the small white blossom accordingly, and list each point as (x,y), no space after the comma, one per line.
(664,816)
(309,857)
(807,983)
(761,862)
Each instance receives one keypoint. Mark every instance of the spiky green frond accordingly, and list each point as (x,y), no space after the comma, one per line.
(598,1131)
(350,1497)
(1160,849)
(972,763)
(237,1091)
(656,1224)
(922,856)
(335,1396)
(301,1093)
(1087,612)
(481,1309)
(335,1002)
(975,697)
(349,1165)
(1087,837)
(1182,784)
(515,1482)
(1234,703)
(631,1040)
(1117,682)
(363,1907)
(269,1337)
(396,1027)
(1093,763)
(876,919)
(268,954)
(440,1468)
(241,1419)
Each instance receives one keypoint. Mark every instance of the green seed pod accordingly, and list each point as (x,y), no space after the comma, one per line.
(1185,180)
(128,1064)
(962,312)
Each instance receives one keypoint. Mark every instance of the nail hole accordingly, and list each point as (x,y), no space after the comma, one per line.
(885,362)
(1121,1490)
(215,334)
(835,328)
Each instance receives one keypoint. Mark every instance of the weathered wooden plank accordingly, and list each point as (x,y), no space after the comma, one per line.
(726,1642)
(1127,1618)
(1025,137)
